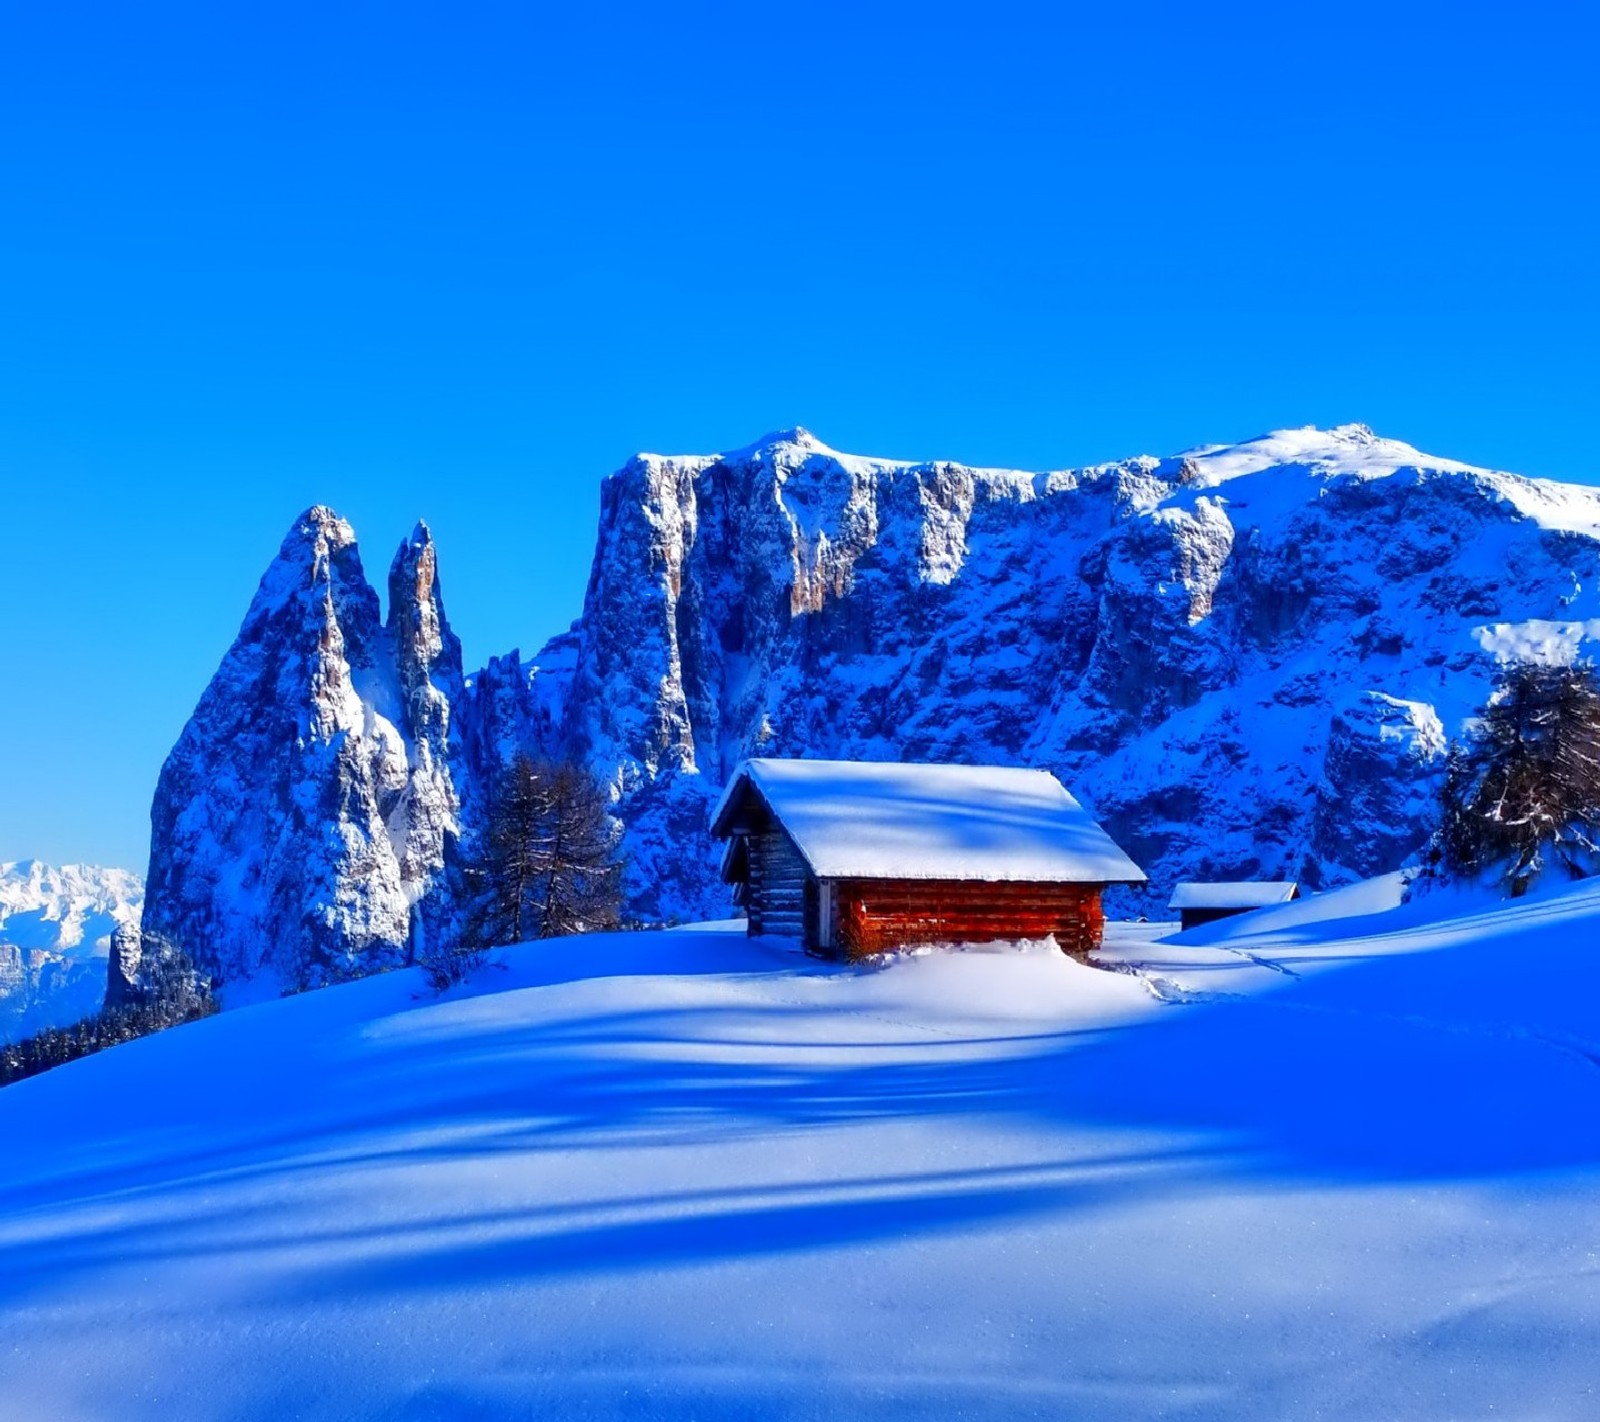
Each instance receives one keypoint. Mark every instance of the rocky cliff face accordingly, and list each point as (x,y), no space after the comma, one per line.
(1246,658)
(1379,787)
(56,930)
(300,824)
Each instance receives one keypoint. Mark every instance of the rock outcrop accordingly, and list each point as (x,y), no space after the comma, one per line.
(300,824)
(123,964)
(1377,801)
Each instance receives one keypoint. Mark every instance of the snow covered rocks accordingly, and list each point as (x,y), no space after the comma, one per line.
(299,824)
(1378,796)
(1188,642)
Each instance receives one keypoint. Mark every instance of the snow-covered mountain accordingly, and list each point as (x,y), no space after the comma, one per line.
(1247,658)
(55,932)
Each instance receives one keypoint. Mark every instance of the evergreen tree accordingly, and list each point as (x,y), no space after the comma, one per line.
(581,885)
(513,858)
(549,863)
(1522,790)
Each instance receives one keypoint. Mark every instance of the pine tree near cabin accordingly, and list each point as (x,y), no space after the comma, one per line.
(549,865)
(1522,789)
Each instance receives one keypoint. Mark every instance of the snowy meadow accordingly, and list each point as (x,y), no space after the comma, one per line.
(1338,1159)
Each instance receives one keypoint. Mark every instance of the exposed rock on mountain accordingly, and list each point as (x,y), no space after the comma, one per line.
(1172,636)
(123,964)
(1378,796)
(56,928)
(427,664)
(303,816)
(1245,658)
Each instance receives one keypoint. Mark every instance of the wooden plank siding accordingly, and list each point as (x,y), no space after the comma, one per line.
(782,897)
(874,915)
(782,894)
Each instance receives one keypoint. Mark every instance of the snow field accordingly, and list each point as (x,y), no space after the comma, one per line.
(1348,1170)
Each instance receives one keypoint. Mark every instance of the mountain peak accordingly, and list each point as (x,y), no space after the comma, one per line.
(1352,449)
(1356,433)
(321,517)
(792,434)
(793,437)
(319,528)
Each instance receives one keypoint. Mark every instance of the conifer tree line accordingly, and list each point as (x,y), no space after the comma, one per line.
(169,992)
(1522,787)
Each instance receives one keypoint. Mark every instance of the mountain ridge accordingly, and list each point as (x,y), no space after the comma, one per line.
(1219,650)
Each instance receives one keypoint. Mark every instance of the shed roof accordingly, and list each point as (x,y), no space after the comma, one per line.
(890,820)
(1240,894)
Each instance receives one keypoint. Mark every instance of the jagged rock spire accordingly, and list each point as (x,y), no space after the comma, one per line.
(427,653)
(122,965)
(427,659)
(272,838)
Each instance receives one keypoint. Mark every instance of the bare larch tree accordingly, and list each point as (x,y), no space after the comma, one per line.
(550,864)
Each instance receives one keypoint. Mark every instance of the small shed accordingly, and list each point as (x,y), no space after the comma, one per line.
(855,857)
(1206,903)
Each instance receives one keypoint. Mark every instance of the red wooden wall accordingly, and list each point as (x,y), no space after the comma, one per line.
(876,915)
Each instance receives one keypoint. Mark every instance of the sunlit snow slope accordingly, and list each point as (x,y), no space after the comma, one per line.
(1343,1168)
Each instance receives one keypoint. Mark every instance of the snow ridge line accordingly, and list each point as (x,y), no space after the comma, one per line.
(1174,994)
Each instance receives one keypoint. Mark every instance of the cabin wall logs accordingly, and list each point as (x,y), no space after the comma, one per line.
(873,916)
(780,887)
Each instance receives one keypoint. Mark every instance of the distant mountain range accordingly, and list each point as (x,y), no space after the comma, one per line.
(1247,658)
(55,932)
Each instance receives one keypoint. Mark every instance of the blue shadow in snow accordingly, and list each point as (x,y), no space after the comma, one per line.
(1474,1062)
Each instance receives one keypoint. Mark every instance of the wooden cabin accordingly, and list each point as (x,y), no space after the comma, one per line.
(857,857)
(1206,903)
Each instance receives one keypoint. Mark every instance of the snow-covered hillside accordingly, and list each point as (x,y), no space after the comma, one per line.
(1246,659)
(1342,1167)
(55,933)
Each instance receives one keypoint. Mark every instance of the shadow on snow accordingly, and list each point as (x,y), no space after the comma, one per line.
(1477,1061)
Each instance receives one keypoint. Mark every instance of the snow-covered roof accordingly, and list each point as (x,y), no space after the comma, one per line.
(890,820)
(1244,894)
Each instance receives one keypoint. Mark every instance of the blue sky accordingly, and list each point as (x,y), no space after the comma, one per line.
(460,261)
